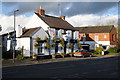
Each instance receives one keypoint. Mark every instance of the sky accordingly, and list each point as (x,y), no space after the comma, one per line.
(77,13)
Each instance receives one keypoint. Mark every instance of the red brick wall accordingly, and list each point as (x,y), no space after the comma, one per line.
(109,37)
(113,37)
(100,36)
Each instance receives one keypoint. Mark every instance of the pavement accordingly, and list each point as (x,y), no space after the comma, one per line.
(9,63)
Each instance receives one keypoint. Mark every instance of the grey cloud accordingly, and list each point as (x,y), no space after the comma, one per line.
(74,8)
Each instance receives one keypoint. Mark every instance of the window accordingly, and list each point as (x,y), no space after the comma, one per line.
(105,36)
(96,37)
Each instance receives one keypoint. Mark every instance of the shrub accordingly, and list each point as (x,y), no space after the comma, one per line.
(9,54)
(78,40)
(79,46)
(98,50)
(112,50)
(20,56)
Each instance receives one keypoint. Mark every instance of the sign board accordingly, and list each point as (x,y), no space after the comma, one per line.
(14,40)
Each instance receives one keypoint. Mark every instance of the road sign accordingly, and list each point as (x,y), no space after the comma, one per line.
(14,40)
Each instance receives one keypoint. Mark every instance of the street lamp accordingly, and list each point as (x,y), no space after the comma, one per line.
(14,39)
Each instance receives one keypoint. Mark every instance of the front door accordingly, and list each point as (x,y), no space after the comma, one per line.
(40,48)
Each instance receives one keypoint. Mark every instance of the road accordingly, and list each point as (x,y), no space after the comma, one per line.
(86,68)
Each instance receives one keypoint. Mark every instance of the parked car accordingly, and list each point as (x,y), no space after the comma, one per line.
(82,53)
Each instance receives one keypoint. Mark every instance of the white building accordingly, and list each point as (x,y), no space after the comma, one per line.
(51,27)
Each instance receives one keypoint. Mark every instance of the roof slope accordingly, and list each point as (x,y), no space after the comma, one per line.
(95,29)
(29,32)
(55,22)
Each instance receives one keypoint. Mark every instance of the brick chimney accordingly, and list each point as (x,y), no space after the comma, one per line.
(62,17)
(41,11)
(23,30)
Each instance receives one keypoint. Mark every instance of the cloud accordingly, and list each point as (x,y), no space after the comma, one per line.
(87,20)
(67,8)
(7,22)
(79,20)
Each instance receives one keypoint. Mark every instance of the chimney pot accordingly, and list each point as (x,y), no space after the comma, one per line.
(41,11)
(62,17)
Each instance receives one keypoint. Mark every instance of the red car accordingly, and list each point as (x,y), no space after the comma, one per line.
(82,53)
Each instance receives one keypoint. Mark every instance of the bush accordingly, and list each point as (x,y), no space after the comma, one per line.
(98,50)
(20,56)
(9,54)
(112,50)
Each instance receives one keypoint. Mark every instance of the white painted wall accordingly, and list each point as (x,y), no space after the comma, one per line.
(76,35)
(104,42)
(69,34)
(25,42)
(42,34)
(36,22)
(94,44)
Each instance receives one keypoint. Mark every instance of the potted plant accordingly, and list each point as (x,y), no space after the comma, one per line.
(53,45)
(70,45)
(36,45)
(37,39)
(53,56)
(35,56)
(47,46)
(46,39)
(54,39)
(70,54)
(62,54)
(62,42)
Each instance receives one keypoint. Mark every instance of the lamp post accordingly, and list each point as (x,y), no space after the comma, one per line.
(14,39)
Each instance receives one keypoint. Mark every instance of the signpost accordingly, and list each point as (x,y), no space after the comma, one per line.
(14,42)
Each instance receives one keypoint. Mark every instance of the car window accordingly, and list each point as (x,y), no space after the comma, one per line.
(84,51)
(77,51)
(80,50)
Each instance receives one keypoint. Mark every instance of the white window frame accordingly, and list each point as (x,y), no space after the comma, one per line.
(105,36)
(96,37)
